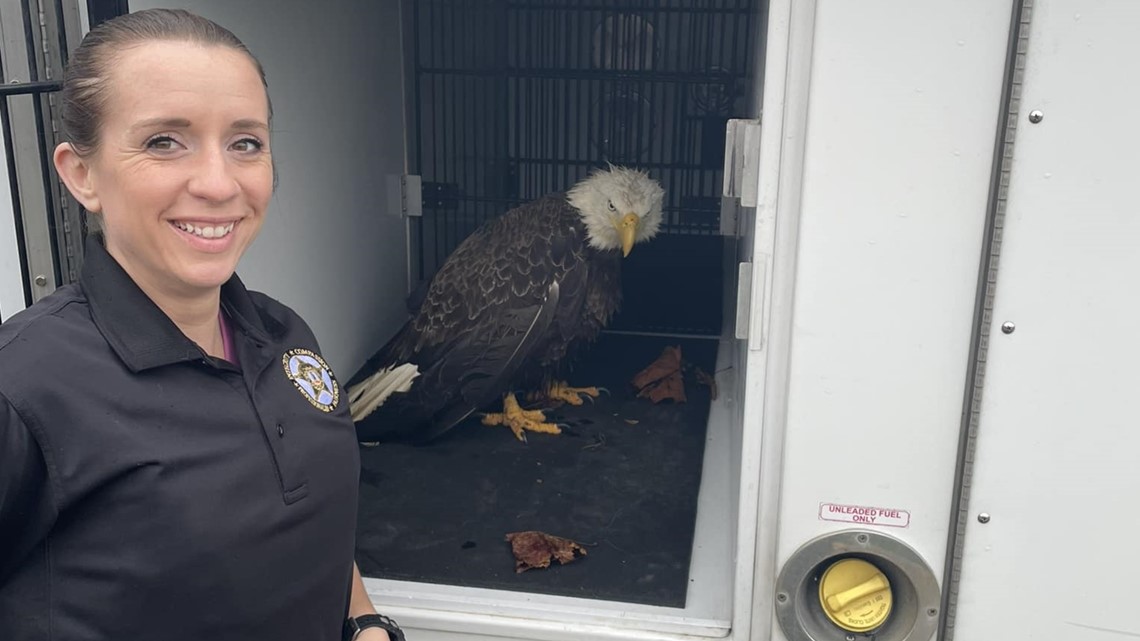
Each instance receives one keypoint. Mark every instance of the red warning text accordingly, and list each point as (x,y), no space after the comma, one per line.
(864,515)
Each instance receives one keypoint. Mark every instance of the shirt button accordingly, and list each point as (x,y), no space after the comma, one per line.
(280,430)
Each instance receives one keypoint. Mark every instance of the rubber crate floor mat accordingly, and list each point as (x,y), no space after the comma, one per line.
(621,481)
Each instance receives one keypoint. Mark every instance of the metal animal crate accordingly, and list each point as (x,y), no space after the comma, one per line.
(514,99)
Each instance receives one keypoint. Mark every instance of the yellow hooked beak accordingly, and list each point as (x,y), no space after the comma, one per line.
(627,229)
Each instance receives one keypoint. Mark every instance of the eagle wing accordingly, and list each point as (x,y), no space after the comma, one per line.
(499,300)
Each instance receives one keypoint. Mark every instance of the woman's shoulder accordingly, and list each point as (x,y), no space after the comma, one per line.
(38,344)
(266,305)
(49,321)
(278,318)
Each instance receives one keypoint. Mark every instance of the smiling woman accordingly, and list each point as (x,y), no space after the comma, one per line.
(181,174)
(127,400)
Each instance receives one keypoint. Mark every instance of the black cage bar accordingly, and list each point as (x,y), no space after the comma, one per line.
(514,99)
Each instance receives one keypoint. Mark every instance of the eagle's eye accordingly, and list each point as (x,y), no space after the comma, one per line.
(611,205)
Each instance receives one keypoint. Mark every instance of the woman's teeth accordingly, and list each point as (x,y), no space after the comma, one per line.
(206,232)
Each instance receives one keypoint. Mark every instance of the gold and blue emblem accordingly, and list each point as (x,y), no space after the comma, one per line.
(312,377)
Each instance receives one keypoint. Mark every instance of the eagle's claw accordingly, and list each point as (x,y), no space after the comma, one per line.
(519,420)
(561,391)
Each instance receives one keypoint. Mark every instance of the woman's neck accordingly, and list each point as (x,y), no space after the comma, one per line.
(198,320)
(193,312)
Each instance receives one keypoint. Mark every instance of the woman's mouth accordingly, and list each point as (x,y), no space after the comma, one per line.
(205,231)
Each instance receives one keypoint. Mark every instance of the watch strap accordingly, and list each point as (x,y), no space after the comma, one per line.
(354,625)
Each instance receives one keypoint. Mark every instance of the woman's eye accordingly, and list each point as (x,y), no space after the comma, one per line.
(247,145)
(611,204)
(161,143)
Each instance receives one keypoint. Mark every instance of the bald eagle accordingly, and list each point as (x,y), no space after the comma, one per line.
(506,312)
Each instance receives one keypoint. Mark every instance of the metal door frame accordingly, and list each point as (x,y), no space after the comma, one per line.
(47,226)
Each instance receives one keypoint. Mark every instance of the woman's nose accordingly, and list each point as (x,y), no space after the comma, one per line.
(213,178)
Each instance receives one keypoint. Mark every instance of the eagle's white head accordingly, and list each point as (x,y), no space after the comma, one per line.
(619,206)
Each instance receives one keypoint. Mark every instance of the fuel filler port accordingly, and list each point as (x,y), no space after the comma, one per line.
(855,595)
(857,584)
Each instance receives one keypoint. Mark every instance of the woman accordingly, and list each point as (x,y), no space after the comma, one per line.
(176,459)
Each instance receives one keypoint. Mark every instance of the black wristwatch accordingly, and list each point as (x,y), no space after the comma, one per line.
(353,626)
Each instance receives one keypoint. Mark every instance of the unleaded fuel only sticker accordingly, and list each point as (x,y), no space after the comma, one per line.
(864,515)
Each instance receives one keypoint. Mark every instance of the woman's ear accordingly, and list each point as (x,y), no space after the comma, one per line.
(75,171)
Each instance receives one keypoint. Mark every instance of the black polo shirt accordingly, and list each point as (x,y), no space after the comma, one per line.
(149,491)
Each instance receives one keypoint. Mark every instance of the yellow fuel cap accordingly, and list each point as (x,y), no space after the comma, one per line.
(855,595)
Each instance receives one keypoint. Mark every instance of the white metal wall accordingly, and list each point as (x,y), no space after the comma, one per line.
(1056,464)
(875,218)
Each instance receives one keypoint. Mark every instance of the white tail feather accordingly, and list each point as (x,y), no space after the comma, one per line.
(367,395)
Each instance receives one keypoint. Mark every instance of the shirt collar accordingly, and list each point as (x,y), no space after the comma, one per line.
(138,331)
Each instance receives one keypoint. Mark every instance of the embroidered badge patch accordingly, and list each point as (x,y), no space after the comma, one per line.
(312,377)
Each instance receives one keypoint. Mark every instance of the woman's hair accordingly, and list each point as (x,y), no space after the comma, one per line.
(85,91)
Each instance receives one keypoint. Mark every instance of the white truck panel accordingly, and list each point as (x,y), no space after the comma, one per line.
(901,119)
(1056,463)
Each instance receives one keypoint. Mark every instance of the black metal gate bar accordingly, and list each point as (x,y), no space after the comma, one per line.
(61,35)
(45,31)
(14,183)
(24,88)
(49,184)
(35,75)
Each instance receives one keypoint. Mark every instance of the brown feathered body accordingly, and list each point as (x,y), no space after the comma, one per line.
(505,312)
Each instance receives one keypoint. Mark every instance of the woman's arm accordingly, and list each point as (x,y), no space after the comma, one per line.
(359,604)
(27,508)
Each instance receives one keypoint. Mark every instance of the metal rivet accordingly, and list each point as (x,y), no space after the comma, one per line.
(781,597)
(862,538)
(41,280)
(1036,116)
(1008,327)
(850,637)
(984,517)
(932,612)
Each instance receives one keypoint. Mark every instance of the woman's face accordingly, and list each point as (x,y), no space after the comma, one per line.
(182,175)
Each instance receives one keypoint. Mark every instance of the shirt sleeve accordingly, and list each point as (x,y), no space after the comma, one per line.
(27,510)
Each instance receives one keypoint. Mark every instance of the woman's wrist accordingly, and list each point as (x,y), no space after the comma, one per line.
(374,634)
(366,627)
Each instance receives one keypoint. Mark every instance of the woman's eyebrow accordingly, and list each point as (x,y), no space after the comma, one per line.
(173,123)
(249,123)
(183,123)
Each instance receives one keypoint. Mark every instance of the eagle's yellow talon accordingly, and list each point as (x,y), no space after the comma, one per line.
(518,419)
(561,391)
